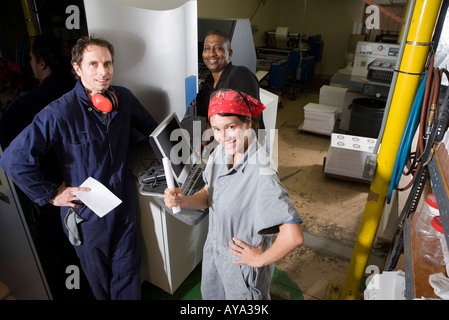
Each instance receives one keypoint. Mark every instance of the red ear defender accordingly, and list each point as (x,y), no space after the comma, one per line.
(105,102)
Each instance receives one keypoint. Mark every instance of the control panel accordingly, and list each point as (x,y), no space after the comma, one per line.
(367,52)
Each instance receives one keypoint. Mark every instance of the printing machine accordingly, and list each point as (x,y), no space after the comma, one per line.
(372,70)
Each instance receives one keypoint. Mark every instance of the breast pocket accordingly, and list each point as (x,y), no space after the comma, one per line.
(78,155)
(78,138)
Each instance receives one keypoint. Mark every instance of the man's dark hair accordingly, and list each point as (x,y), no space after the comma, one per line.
(84,42)
(218,32)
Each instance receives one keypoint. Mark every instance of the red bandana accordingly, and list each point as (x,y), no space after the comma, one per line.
(229,101)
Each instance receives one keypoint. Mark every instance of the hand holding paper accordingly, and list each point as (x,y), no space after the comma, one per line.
(99,199)
(66,197)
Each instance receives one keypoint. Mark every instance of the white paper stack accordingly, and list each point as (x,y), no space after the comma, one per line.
(319,118)
(347,154)
(341,98)
(333,96)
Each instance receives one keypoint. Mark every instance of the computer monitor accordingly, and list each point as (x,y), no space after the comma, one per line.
(171,141)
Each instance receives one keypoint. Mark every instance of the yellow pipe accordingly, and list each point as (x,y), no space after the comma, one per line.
(413,61)
(29,21)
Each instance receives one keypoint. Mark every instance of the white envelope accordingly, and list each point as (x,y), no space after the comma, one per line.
(99,199)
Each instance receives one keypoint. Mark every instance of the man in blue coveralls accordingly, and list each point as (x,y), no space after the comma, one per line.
(88,129)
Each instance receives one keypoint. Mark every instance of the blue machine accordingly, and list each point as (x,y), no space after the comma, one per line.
(279,74)
(284,64)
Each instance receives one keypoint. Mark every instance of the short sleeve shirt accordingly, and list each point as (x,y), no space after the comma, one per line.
(247,201)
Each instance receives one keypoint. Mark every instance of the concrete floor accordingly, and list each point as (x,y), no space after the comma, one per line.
(331,208)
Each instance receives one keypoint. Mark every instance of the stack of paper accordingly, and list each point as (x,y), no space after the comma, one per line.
(347,154)
(341,98)
(333,96)
(319,118)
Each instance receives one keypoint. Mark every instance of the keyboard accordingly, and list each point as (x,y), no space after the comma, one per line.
(194,181)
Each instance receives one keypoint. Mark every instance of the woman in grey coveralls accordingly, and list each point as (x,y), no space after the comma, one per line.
(247,205)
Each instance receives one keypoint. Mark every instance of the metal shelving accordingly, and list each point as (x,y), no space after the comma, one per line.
(405,242)
(415,270)
(439,187)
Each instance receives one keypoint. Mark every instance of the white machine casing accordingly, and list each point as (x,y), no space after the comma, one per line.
(367,52)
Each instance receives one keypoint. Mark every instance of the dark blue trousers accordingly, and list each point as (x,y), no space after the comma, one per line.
(110,255)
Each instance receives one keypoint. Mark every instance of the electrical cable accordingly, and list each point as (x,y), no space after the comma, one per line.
(438,127)
(426,100)
(407,137)
(404,149)
(426,121)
